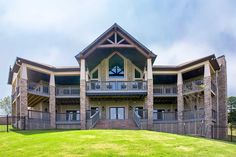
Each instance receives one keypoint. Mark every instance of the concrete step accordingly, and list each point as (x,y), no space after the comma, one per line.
(116,124)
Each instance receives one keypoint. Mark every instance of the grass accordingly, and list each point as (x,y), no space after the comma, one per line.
(109,143)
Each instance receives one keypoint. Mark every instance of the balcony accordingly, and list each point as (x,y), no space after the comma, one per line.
(67,91)
(116,88)
(193,86)
(165,90)
(38,89)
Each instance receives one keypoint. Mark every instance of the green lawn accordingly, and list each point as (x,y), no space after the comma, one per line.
(109,143)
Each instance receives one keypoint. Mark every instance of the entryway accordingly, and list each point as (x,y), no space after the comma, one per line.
(117,113)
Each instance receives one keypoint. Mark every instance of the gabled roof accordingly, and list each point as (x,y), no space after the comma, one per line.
(115,27)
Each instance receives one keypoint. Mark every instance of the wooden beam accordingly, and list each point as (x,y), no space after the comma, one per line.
(115,46)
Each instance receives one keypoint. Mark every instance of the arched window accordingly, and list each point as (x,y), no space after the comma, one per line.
(116,67)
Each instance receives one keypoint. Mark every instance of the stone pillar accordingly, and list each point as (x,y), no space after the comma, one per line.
(180,103)
(52,101)
(82,94)
(222,115)
(23,104)
(149,99)
(208,100)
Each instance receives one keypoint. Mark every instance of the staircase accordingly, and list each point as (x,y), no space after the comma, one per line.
(127,124)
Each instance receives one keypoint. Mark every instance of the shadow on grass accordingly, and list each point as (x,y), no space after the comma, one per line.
(33,132)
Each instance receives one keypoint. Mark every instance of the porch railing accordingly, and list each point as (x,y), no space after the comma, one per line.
(67,91)
(33,114)
(38,88)
(116,85)
(67,117)
(165,90)
(192,86)
(194,115)
(164,116)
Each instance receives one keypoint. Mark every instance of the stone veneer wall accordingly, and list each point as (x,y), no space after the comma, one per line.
(52,106)
(222,99)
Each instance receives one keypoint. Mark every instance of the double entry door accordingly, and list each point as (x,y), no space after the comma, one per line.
(117,113)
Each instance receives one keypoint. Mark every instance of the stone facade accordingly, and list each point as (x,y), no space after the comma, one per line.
(222,118)
(52,106)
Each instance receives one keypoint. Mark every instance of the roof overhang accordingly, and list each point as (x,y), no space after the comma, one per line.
(98,50)
(211,58)
(19,61)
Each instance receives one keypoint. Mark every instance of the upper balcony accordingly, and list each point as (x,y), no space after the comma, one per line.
(193,86)
(67,91)
(116,88)
(41,89)
(165,90)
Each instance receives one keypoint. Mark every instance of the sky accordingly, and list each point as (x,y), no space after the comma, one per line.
(54,31)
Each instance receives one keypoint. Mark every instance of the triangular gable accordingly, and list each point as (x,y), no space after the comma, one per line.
(115,37)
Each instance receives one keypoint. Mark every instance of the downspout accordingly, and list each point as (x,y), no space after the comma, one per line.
(217,103)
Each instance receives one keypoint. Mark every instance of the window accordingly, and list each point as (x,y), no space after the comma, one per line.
(95,74)
(137,74)
(116,67)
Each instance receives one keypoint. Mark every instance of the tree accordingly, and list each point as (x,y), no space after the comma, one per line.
(232,109)
(5,105)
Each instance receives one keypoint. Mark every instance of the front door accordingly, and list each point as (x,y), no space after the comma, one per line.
(117,113)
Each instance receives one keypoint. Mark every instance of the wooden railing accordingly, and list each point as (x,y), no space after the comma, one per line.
(193,86)
(116,85)
(165,90)
(38,88)
(67,91)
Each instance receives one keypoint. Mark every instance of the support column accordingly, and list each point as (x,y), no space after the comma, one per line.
(208,100)
(149,99)
(222,114)
(82,94)
(23,95)
(180,103)
(52,101)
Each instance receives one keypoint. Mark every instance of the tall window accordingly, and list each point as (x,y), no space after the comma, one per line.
(116,67)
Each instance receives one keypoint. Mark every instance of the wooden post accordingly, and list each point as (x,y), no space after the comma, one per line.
(7,124)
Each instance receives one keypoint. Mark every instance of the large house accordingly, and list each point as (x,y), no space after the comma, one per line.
(116,85)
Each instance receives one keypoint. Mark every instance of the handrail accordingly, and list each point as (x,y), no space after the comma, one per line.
(116,85)
(94,118)
(137,118)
